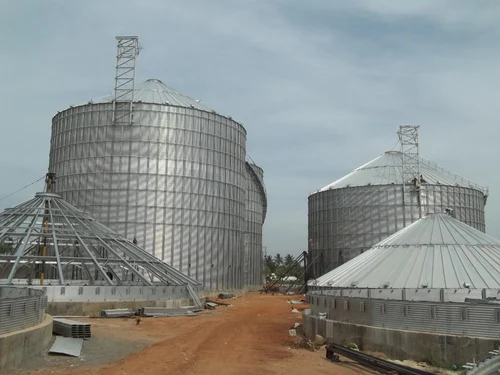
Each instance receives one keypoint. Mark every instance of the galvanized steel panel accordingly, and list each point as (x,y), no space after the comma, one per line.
(67,345)
(460,319)
(21,308)
(345,222)
(156,166)
(255,216)
(387,169)
(436,252)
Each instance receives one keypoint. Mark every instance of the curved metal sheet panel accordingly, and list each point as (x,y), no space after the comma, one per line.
(20,308)
(255,214)
(345,222)
(175,181)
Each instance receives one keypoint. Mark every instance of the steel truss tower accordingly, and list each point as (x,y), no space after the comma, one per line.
(127,50)
(410,167)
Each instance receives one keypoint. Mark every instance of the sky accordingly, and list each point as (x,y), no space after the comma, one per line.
(321,86)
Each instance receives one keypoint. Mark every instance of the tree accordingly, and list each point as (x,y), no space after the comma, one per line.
(278,260)
(5,248)
(288,260)
(280,265)
(269,264)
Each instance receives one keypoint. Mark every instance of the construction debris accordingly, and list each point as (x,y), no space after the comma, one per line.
(226,295)
(374,363)
(71,328)
(295,302)
(67,345)
(164,311)
(117,313)
(193,308)
(218,303)
(292,332)
(195,297)
(210,305)
(319,340)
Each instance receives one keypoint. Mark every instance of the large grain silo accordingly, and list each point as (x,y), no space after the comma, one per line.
(171,176)
(371,203)
(256,208)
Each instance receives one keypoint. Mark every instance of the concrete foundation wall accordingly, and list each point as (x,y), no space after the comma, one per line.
(435,349)
(253,288)
(16,347)
(213,295)
(93,309)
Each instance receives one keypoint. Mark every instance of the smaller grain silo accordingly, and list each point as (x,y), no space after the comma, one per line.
(256,208)
(434,284)
(381,197)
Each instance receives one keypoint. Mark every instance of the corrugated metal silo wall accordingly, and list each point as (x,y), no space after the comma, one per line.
(255,221)
(174,180)
(345,222)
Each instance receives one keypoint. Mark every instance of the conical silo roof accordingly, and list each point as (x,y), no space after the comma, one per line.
(156,92)
(386,169)
(437,251)
(48,235)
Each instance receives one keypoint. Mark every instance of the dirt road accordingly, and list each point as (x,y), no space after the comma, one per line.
(249,338)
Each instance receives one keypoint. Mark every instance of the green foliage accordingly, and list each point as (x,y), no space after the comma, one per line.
(279,265)
(278,260)
(5,248)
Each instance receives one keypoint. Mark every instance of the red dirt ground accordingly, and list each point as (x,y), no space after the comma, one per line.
(249,338)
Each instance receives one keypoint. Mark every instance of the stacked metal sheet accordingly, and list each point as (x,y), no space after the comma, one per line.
(71,328)
(164,311)
(117,313)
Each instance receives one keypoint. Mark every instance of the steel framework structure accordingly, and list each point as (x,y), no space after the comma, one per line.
(410,167)
(48,237)
(127,50)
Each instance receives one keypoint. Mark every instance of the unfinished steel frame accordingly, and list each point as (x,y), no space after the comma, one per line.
(47,238)
(127,50)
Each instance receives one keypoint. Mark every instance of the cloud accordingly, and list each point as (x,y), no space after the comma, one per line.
(321,87)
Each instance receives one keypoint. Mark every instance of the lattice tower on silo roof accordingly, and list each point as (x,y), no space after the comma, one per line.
(409,142)
(127,50)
